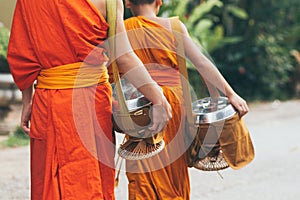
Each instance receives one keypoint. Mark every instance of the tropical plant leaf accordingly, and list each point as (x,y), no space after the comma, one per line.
(237,12)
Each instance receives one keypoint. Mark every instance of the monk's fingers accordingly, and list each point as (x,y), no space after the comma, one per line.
(239,104)
(25,127)
(161,127)
(25,118)
(158,124)
(166,108)
(160,117)
(242,109)
(157,128)
(153,127)
(161,112)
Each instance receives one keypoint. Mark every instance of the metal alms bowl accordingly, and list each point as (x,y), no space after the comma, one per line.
(137,103)
(139,108)
(134,99)
(209,110)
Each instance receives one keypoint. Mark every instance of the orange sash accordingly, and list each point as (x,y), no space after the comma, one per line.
(75,75)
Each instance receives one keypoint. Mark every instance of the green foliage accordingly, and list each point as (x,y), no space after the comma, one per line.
(204,23)
(19,138)
(261,67)
(174,8)
(199,12)
(236,11)
(250,41)
(4,37)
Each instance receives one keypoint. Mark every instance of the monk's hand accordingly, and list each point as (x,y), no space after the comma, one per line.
(25,117)
(161,114)
(239,104)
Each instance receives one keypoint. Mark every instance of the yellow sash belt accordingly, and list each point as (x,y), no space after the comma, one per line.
(75,75)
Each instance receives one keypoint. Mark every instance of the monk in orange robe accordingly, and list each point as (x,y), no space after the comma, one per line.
(165,176)
(68,114)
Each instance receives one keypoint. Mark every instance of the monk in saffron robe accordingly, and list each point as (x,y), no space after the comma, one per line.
(165,176)
(68,114)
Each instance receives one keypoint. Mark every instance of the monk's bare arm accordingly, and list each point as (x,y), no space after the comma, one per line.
(211,74)
(125,56)
(26,110)
(130,65)
(128,62)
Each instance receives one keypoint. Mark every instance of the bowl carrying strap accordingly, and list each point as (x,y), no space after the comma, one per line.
(111,10)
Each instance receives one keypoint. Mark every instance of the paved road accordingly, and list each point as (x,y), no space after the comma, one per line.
(273,175)
(14,174)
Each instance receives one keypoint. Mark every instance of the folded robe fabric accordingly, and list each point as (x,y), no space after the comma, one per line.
(233,137)
(164,176)
(236,143)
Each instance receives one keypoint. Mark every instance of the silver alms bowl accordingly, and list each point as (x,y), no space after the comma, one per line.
(209,110)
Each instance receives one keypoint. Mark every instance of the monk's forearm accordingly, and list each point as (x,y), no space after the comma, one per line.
(26,110)
(135,72)
(128,61)
(213,77)
(206,68)
(27,95)
(208,71)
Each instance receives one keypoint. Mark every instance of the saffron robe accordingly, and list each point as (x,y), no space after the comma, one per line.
(71,145)
(164,176)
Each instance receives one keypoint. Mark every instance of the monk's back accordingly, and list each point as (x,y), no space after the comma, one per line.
(63,31)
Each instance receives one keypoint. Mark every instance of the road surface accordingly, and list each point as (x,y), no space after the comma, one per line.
(273,175)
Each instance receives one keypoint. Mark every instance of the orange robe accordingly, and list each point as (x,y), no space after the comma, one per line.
(164,176)
(72,146)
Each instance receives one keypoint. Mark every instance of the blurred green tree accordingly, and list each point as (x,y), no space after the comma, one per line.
(261,66)
(4,37)
(204,21)
(250,42)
